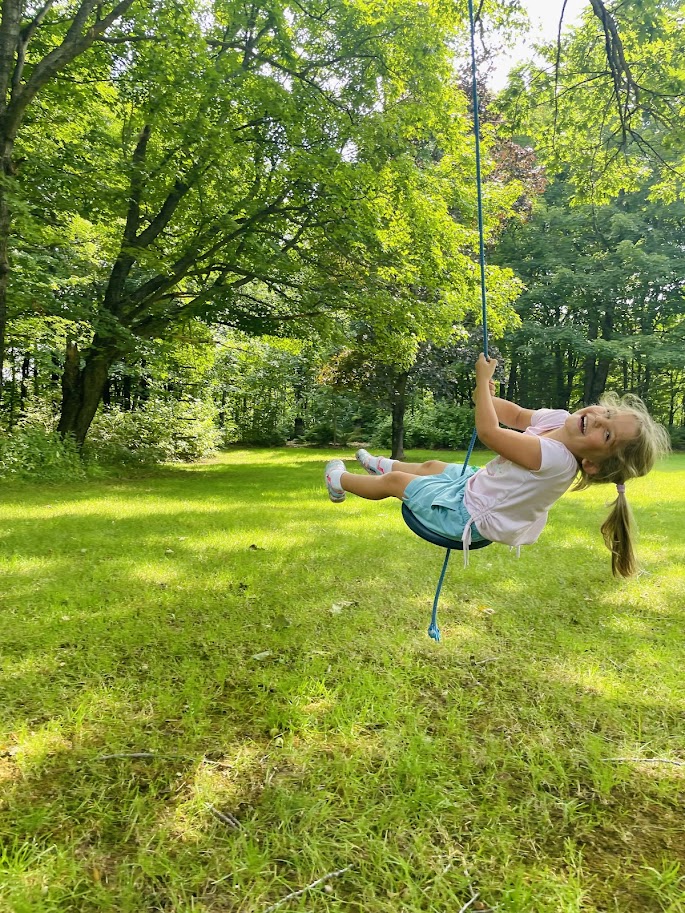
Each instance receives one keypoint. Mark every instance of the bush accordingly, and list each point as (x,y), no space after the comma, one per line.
(677,437)
(32,451)
(324,433)
(264,425)
(181,431)
(429,426)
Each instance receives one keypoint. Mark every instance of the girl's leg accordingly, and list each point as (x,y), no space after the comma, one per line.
(429,468)
(375,488)
(383,465)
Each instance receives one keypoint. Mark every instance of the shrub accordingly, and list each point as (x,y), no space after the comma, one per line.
(181,431)
(32,451)
(430,426)
(677,437)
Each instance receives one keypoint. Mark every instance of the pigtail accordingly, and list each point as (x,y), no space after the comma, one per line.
(633,459)
(618,531)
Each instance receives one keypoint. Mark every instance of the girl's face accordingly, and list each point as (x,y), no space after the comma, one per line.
(595,432)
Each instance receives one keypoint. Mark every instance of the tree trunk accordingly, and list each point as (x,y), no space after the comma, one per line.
(13,389)
(127,403)
(82,387)
(512,379)
(589,367)
(5,227)
(399,405)
(221,415)
(300,406)
(600,379)
(143,390)
(560,378)
(570,377)
(24,385)
(643,389)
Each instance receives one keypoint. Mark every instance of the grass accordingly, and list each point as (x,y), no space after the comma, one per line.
(267,652)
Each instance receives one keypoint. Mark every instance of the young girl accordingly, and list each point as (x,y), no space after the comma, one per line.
(508,499)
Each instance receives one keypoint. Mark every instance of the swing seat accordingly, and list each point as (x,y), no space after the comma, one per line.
(417,527)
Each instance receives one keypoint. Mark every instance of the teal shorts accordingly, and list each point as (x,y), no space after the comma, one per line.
(450,516)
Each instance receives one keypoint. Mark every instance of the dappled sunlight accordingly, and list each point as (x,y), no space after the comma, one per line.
(33,743)
(268,659)
(591,675)
(661,593)
(157,572)
(124,509)
(35,568)
(33,748)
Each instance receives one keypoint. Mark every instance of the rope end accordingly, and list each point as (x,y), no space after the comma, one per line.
(434,632)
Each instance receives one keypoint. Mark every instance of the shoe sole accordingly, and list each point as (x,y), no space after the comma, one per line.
(335,496)
(371,472)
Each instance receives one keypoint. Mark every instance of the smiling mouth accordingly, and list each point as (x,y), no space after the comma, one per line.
(583,423)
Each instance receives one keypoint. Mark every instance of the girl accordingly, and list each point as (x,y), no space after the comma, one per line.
(508,499)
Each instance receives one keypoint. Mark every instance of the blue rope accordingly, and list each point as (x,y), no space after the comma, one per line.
(476,130)
(479,187)
(434,630)
(472,444)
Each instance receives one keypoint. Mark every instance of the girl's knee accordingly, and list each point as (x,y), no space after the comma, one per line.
(433,467)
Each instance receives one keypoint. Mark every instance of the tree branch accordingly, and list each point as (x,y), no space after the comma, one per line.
(26,34)
(75,42)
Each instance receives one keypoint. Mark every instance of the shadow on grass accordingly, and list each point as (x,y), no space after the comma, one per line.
(272,658)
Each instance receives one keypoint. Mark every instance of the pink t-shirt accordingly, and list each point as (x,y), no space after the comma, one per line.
(509,503)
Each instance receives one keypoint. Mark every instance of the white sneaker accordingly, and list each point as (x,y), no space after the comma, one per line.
(368,462)
(337,495)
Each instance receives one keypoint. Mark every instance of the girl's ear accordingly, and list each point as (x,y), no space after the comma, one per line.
(589,467)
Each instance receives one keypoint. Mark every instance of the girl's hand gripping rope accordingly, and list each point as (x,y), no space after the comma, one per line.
(485,369)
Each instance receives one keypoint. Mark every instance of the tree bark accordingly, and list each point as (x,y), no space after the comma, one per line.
(82,387)
(399,405)
(5,226)
(560,378)
(589,367)
(24,382)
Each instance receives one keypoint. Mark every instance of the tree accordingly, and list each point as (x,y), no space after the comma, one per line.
(271,166)
(604,296)
(38,42)
(605,106)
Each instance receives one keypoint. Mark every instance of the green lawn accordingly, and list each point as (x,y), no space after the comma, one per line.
(266,651)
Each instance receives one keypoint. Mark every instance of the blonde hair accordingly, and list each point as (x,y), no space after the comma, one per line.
(634,458)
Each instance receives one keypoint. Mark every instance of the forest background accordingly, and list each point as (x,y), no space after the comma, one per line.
(255,222)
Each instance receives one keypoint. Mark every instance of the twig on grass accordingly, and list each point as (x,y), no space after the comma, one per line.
(294,894)
(469,902)
(226,817)
(649,761)
(127,754)
(145,755)
(476,894)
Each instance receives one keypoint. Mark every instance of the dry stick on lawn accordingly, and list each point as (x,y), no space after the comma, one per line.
(127,754)
(649,761)
(307,888)
(226,817)
(139,754)
(469,902)
(476,894)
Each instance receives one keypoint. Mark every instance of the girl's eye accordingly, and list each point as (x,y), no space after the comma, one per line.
(607,436)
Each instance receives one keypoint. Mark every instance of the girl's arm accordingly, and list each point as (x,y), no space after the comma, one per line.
(512,415)
(523,449)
